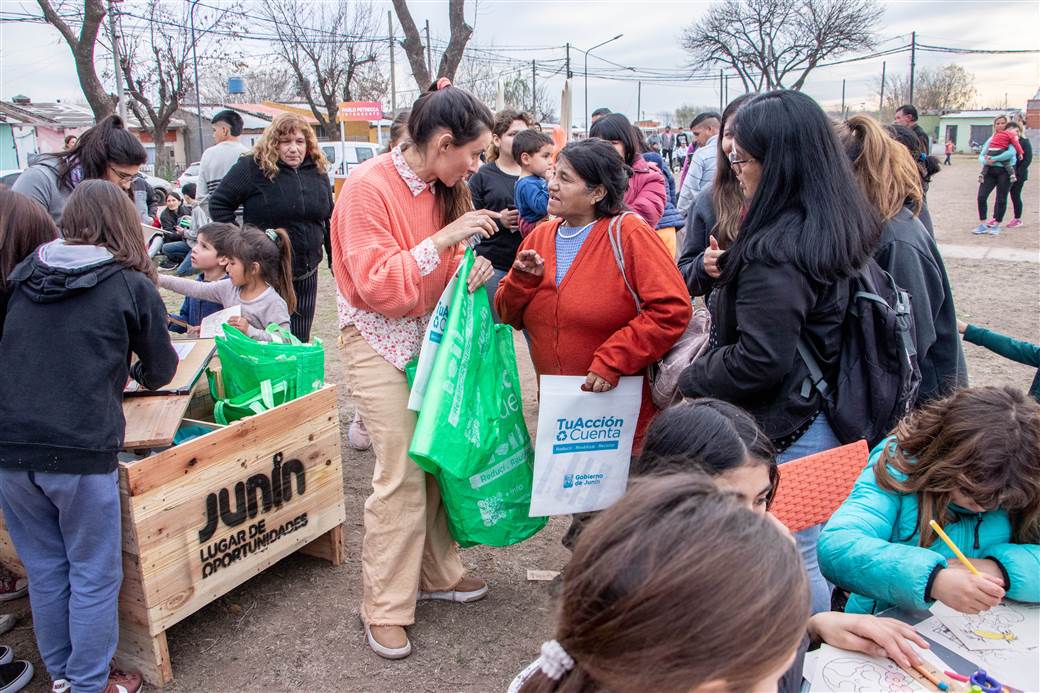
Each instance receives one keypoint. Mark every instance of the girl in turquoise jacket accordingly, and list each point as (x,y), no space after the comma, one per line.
(972,463)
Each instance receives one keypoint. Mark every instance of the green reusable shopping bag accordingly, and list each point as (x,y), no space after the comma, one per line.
(245,362)
(266,397)
(471,434)
(459,418)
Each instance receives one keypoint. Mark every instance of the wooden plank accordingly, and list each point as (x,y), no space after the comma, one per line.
(148,654)
(152,422)
(329,546)
(195,455)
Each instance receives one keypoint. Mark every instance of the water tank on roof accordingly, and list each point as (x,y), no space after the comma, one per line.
(236,84)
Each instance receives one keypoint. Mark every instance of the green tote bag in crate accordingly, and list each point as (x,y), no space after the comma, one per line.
(245,362)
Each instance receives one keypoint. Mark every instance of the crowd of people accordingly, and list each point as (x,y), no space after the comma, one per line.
(599,251)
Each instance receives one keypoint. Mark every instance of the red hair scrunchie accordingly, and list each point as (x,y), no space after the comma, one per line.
(443,82)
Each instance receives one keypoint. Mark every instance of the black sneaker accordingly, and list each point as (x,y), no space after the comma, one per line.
(168,264)
(15,676)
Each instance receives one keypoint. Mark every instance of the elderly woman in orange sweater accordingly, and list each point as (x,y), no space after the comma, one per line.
(566,288)
(397,233)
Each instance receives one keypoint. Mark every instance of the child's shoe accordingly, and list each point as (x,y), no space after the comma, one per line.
(12,587)
(982,177)
(1013,178)
(1014,223)
(61,686)
(124,681)
(14,676)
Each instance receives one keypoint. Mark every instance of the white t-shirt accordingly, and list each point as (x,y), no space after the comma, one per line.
(216,162)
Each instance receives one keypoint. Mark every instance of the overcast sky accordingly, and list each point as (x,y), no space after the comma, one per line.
(36,62)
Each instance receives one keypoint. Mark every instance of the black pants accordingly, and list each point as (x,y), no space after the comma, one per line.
(306,300)
(995,177)
(667,154)
(1016,195)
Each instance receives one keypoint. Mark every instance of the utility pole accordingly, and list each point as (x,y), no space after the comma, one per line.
(843,99)
(913,63)
(569,73)
(393,77)
(727,89)
(722,106)
(534,91)
(881,101)
(429,54)
(639,100)
(195,61)
(117,64)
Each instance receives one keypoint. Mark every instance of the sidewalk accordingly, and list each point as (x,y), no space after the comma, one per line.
(975,252)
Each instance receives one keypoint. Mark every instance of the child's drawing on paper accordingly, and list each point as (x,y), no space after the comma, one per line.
(858,673)
(1001,628)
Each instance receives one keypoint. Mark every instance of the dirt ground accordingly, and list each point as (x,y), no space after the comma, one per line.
(296,626)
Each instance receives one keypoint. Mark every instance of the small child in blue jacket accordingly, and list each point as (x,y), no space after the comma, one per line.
(210,257)
(971,462)
(533,151)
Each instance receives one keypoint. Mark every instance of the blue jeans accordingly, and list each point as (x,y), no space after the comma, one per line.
(176,251)
(817,438)
(66,529)
(185,268)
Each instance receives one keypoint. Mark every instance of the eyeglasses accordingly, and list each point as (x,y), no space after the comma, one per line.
(122,175)
(734,161)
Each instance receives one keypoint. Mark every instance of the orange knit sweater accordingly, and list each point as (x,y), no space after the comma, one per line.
(376,223)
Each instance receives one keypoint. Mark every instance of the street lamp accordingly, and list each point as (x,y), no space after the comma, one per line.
(598,45)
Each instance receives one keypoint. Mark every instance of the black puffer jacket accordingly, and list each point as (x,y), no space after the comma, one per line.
(757,320)
(297,200)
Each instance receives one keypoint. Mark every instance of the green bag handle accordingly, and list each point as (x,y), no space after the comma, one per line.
(281,335)
(269,395)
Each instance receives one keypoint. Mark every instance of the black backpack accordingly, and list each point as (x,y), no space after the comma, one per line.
(878,375)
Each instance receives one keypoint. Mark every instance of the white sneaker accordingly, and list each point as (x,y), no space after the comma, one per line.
(357,434)
(61,686)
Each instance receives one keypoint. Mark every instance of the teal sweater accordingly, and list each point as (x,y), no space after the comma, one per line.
(1014,349)
(870,547)
(1009,155)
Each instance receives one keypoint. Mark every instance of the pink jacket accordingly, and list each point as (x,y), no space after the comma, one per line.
(646,191)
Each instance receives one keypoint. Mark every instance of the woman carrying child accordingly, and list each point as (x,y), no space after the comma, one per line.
(79,307)
(970,462)
(995,174)
(259,267)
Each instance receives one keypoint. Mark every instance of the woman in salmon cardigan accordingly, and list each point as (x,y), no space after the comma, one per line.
(397,233)
(566,289)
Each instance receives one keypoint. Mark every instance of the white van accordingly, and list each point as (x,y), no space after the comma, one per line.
(343,156)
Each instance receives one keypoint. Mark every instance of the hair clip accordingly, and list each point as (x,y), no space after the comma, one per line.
(443,82)
(272,234)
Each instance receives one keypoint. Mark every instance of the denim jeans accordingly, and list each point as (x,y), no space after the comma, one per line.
(817,438)
(185,268)
(66,530)
(176,251)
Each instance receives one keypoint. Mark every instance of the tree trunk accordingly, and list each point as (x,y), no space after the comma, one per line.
(162,165)
(413,46)
(83,52)
(460,33)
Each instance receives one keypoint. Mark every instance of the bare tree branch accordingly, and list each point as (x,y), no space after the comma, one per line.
(768,42)
(415,49)
(82,47)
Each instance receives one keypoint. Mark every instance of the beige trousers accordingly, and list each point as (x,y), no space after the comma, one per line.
(407,545)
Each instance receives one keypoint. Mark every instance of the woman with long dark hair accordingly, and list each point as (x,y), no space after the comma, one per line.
(284,184)
(716,214)
(397,238)
(24,226)
(785,280)
(107,151)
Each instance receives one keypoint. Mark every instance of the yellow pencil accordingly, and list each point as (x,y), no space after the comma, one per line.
(953,547)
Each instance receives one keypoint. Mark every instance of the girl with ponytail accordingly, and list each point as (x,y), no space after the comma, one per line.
(889,178)
(107,151)
(399,230)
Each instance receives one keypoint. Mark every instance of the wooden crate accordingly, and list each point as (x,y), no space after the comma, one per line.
(203,517)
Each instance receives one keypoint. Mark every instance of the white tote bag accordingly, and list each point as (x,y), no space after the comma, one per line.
(431,341)
(584,444)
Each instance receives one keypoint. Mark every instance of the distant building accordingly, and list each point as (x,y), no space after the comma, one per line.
(1033,115)
(970,129)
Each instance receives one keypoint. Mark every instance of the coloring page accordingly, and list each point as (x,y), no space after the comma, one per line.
(1013,668)
(1008,626)
(852,672)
